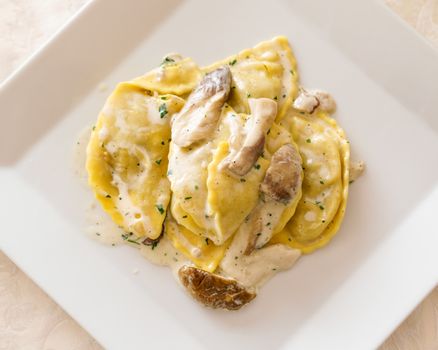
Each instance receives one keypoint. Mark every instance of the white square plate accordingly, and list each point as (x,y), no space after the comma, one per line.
(348,295)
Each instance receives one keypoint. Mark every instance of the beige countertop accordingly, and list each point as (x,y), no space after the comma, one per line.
(29,319)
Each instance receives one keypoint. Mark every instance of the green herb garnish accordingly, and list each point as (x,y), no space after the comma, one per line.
(167,60)
(160,208)
(163,110)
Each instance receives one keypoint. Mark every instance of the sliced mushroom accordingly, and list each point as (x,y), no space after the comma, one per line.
(152,242)
(283,178)
(248,259)
(213,290)
(199,117)
(306,102)
(263,112)
(326,101)
(309,101)
(356,169)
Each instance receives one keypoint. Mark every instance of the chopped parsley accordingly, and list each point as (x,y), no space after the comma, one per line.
(350,182)
(248,95)
(127,239)
(167,60)
(275,98)
(291,72)
(321,182)
(163,110)
(308,140)
(321,207)
(158,161)
(184,217)
(259,234)
(196,187)
(233,62)
(257,166)
(154,244)
(163,97)
(206,241)
(160,208)
(187,198)
(108,196)
(242,180)
(94,127)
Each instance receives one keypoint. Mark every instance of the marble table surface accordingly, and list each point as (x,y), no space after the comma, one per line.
(29,319)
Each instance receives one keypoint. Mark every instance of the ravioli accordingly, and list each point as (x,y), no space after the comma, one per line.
(267,70)
(200,250)
(127,158)
(234,167)
(176,75)
(200,202)
(325,152)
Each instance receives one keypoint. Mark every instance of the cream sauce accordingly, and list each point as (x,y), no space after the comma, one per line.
(256,268)
(100,227)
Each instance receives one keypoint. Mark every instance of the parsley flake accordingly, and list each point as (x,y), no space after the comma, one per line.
(167,60)
(160,208)
(163,110)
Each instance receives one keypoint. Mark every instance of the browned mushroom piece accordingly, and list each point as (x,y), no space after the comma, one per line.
(152,242)
(326,101)
(263,112)
(283,178)
(306,102)
(309,101)
(199,117)
(213,290)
